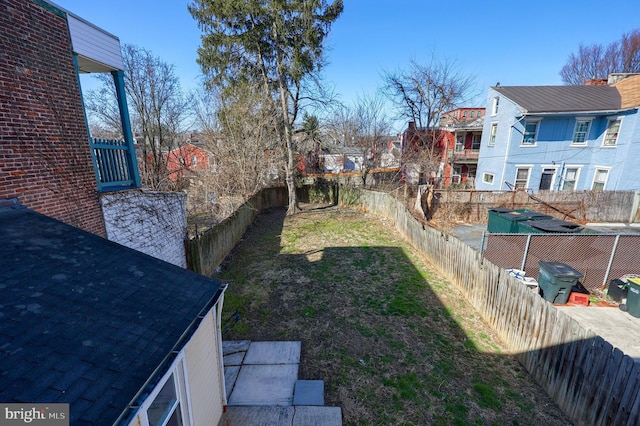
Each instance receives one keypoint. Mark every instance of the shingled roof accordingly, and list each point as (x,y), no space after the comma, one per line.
(86,321)
(558,99)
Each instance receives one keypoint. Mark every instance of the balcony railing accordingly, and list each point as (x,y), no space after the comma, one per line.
(114,164)
(464,154)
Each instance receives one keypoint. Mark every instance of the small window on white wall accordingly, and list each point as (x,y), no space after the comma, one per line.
(168,404)
(487,178)
(494,107)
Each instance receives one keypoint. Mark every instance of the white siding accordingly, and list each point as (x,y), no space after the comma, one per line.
(95,44)
(204,373)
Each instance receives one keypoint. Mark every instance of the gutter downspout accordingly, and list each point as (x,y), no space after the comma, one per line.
(506,157)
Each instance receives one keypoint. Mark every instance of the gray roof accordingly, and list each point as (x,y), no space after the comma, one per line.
(558,99)
(86,321)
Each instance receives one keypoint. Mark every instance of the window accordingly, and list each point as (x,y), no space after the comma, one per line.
(570,178)
(479,113)
(194,160)
(522,177)
(493,133)
(168,404)
(530,134)
(487,178)
(464,114)
(611,135)
(459,143)
(494,108)
(475,141)
(600,179)
(581,132)
(472,114)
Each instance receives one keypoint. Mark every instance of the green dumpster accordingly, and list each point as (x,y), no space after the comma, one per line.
(552,226)
(633,297)
(506,221)
(555,280)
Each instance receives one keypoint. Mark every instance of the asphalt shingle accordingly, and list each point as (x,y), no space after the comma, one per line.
(84,320)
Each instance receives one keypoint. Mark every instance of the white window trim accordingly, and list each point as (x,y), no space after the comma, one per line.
(487,174)
(495,105)
(555,174)
(575,127)
(179,371)
(535,136)
(493,136)
(604,136)
(564,176)
(595,174)
(529,167)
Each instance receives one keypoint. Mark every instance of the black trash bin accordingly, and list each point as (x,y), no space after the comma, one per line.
(556,280)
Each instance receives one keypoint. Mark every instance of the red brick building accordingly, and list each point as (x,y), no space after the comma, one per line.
(185,159)
(45,153)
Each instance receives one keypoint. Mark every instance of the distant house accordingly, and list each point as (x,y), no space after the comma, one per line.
(424,154)
(186,160)
(463,128)
(562,138)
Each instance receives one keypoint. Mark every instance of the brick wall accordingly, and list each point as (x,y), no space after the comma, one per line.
(152,222)
(45,159)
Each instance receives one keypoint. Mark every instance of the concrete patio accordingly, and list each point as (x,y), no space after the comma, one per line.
(262,387)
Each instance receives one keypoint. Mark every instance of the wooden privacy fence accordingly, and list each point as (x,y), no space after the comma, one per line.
(592,382)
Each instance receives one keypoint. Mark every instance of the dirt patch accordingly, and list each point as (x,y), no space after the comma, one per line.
(394,342)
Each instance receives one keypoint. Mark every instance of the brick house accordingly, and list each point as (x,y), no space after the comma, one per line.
(423,149)
(186,159)
(45,155)
(463,127)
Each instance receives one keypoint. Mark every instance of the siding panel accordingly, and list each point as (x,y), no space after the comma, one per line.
(203,372)
(95,44)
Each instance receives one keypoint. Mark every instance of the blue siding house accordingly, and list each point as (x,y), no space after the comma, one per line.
(562,138)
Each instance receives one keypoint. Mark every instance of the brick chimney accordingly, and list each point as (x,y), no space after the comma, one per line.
(596,82)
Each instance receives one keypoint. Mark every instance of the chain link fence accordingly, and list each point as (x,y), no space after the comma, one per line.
(600,257)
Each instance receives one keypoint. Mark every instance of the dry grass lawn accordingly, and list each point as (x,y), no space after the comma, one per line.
(394,342)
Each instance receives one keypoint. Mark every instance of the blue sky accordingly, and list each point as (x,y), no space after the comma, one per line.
(511,42)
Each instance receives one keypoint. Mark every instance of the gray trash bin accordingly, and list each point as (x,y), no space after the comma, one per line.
(556,280)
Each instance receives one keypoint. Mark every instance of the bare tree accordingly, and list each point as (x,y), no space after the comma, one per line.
(237,128)
(372,124)
(597,61)
(421,94)
(157,106)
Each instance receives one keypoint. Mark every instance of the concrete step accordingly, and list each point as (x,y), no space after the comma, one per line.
(308,392)
(291,415)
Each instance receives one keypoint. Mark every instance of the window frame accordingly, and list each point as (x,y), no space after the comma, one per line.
(528,179)
(493,132)
(535,122)
(488,178)
(476,141)
(606,133)
(564,179)
(586,132)
(595,175)
(495,106)
(178,371)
